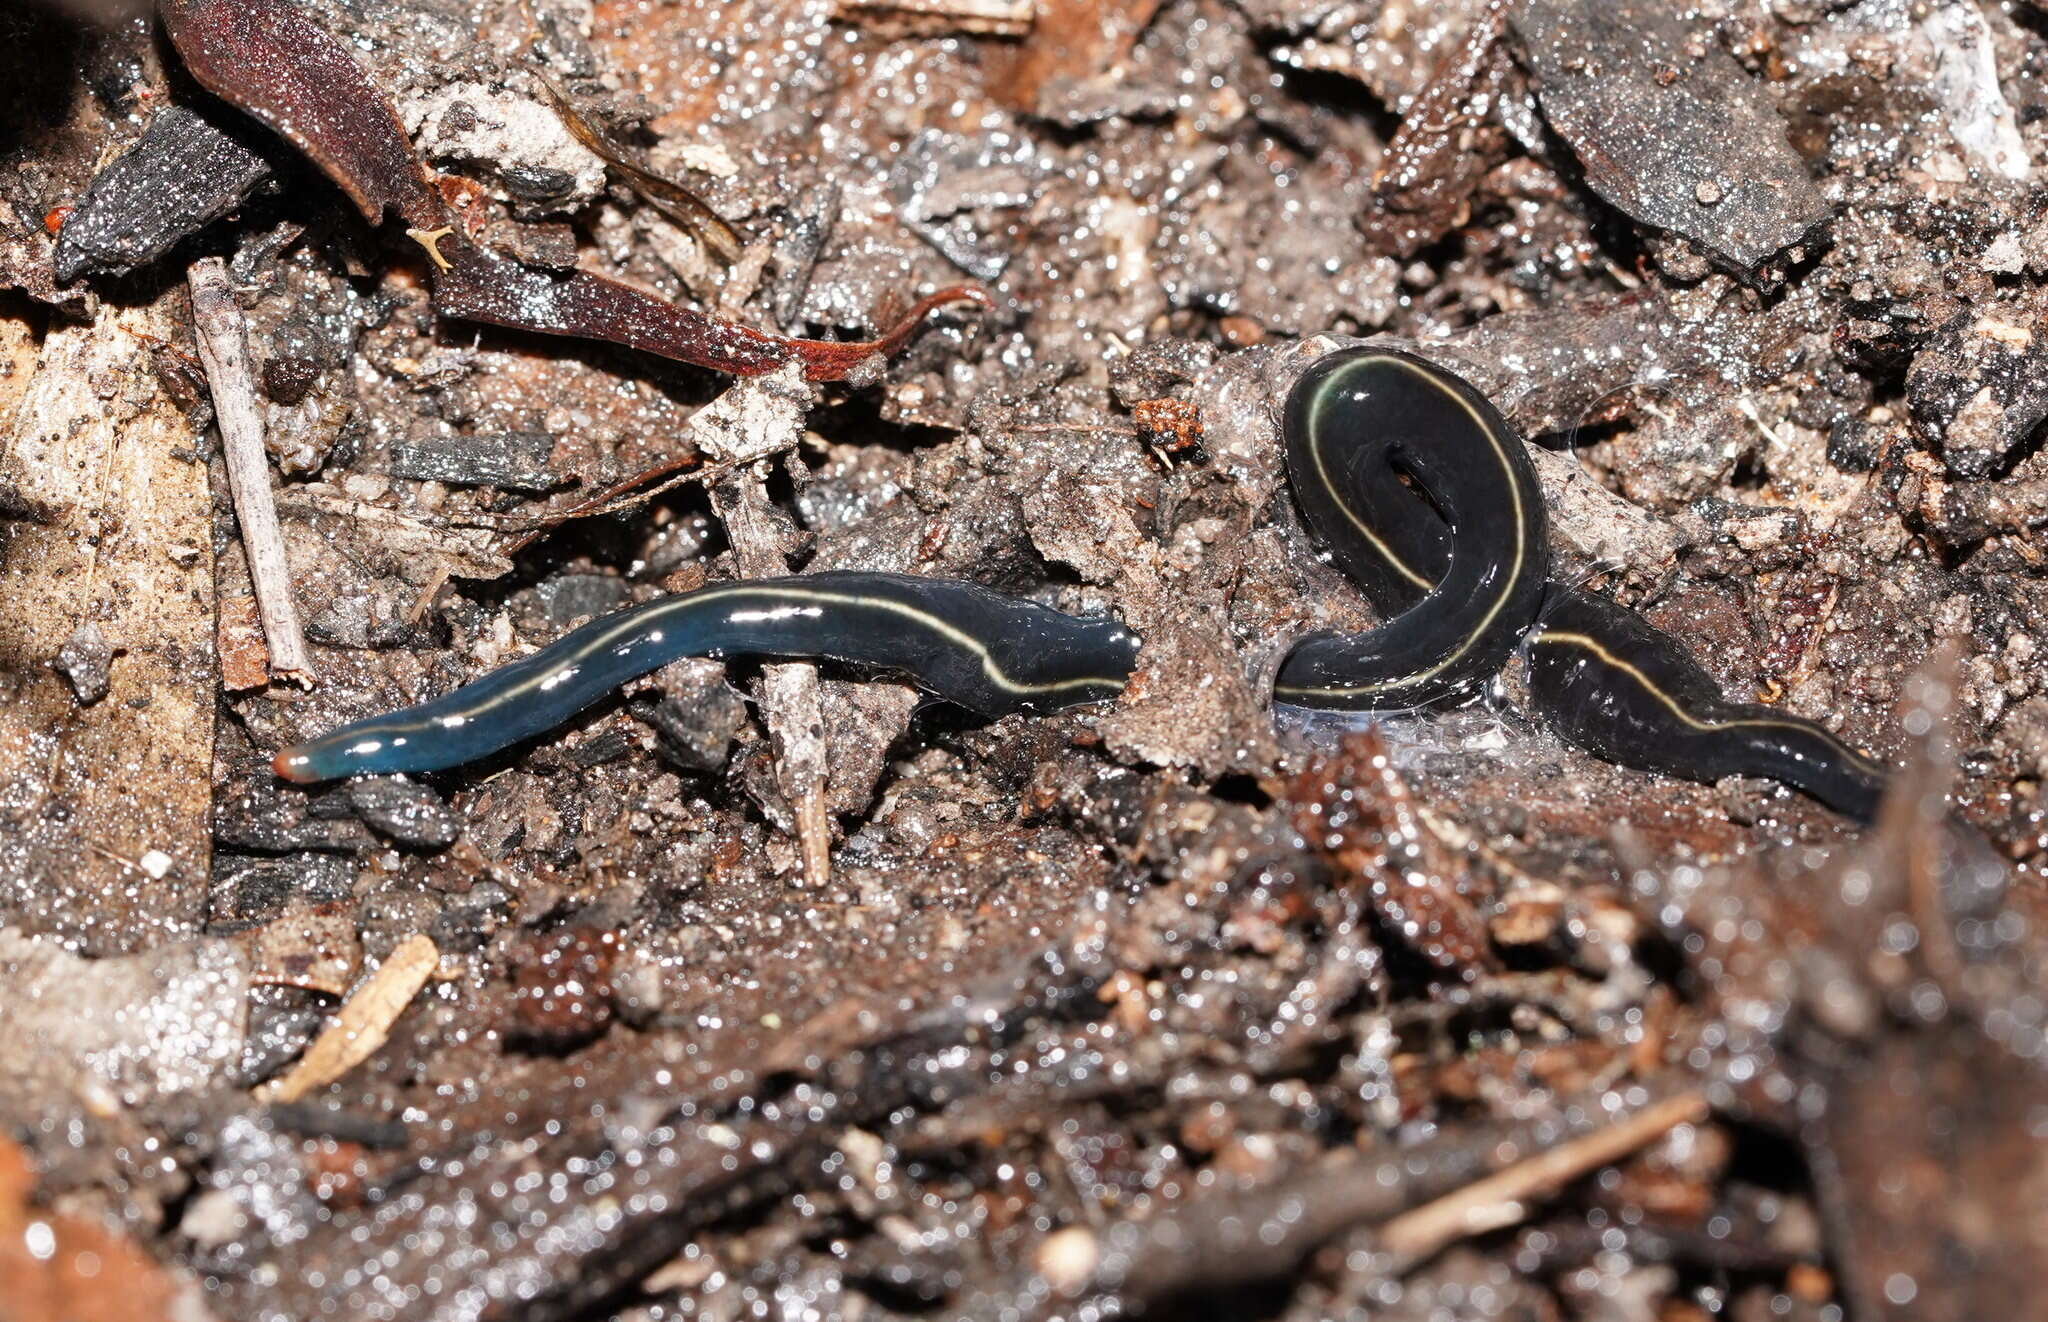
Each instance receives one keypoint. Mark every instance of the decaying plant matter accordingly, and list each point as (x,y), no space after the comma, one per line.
(773,991)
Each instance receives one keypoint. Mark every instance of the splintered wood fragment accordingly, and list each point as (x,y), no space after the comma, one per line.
(363,1024)
(1001,18)
(754,419)
(790,702)
(1070,40)
(1503,1198)
(224,348)
(796,722)
(238,637)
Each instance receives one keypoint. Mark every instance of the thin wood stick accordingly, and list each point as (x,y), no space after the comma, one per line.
(224,349)
(363,1024)
(1005,18)
(1504,1198)
(615,499)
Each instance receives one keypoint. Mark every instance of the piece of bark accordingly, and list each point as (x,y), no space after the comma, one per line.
(310,945)
(941,180)
(183,174)
(238,635)
(1668,127)
(1071,40)
(1979,389)
(1424,187)
(754,419)
(789,690)
(1188,703)
(105,810)
(513,461)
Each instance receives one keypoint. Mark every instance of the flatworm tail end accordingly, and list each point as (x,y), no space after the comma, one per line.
(1607,680)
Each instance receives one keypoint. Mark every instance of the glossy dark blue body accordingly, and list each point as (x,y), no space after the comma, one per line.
(1422,493)
(987,652)
(1600,675)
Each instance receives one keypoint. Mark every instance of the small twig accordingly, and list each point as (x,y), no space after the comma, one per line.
(1265,1233)
(1085,427)
(1003,18)
(614,498)
(1505,1198)
(363,1024)
(225,351)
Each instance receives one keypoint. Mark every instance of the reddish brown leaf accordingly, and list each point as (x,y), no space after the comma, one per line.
(478,285)
(267,59)
(57,1268)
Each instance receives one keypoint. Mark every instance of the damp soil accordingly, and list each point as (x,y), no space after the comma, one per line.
(775,992)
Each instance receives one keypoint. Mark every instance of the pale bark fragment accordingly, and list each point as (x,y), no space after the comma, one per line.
(105,806)
(754,419)
(364,1022)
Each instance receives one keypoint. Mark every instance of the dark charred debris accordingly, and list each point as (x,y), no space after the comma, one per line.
(1154,1010)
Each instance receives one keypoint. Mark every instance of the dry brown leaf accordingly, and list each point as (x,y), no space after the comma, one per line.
(57,1268)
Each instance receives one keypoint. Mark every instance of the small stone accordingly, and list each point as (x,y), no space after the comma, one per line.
(85,660)
(2005,256)
(288,378)
(562,986)
(1067,1259)
(511,461)
(697,714)
(1242,332)
(403,810)
(212,1219)
(1707,192)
